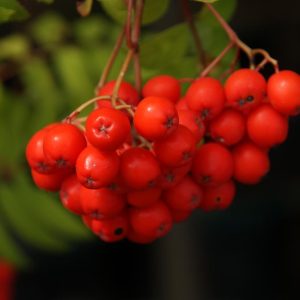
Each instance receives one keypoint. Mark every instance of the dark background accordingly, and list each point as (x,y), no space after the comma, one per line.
(250,251)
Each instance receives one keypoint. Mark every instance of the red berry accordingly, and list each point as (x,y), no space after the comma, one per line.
(212,164)
(180,215)
(162,86)
(284,92)
(111,230)
(267,127)
(50,182)
(107,128)
(187,195)
(250,163)
(69,194)
(96,169)
(153,221)
(218,197)
(228,128)
(182,104)
(139,238)
(101,203)
(245,89)
(191,120)
(177,149)
(155,118)
(142,198)
(126,92)
(206,96)
(62,145)
(35,152)
(139,168)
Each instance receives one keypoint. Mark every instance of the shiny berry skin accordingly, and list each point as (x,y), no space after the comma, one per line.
(206,96)
(69,194)
(155,118)
(245,89)
(187,195)
(218,197)
(191,120)
(96,169)
(266,126)
(62,145)
(284,92)
(107,128)
(101,203)
(112,229)
(172,176)
(212,164)
(50,182)
(153,221)
(126,92)
(162,86)
(35,152)
(177,149)
(228,128)
(139,168)
(251,163)
(142,198)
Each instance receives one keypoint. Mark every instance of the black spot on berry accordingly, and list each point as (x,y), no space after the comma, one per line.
(118,231)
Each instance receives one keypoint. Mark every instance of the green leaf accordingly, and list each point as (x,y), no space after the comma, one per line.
(84,7)
(12,10)
(206,1)
(153,10)
(9,249)
(159,49)
(22,221)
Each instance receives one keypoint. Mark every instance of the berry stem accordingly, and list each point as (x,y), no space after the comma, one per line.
(193,29)
(111,59)
(251,53)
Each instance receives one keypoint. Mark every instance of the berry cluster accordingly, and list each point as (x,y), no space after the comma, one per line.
(139,165)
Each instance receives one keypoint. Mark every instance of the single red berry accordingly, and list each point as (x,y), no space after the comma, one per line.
(139,168)
(218,197)
(191,120)
(245,89)
(267,127)
(187,195)
(155,118)
(101,203)
(7,280)
(62,145)
(142,198)
(182,104)
(162,86)
(112,229)
(251,163)
(50,182)
(212,164)
(206,96)
(35,152)
(139,238)
(180,215)
(177,149)
(104,104)
(153,221)
(228,128)
(284,92)
(172,176)
(126,92)
(107,128)
(69,194)
(96,169)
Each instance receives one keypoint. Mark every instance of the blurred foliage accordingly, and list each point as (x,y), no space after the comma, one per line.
(45,75)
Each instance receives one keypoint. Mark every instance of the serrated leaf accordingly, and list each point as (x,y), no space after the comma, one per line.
(84,7)
(206,1)
(10,250)
(12,10)
(153,10)
(23,223)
